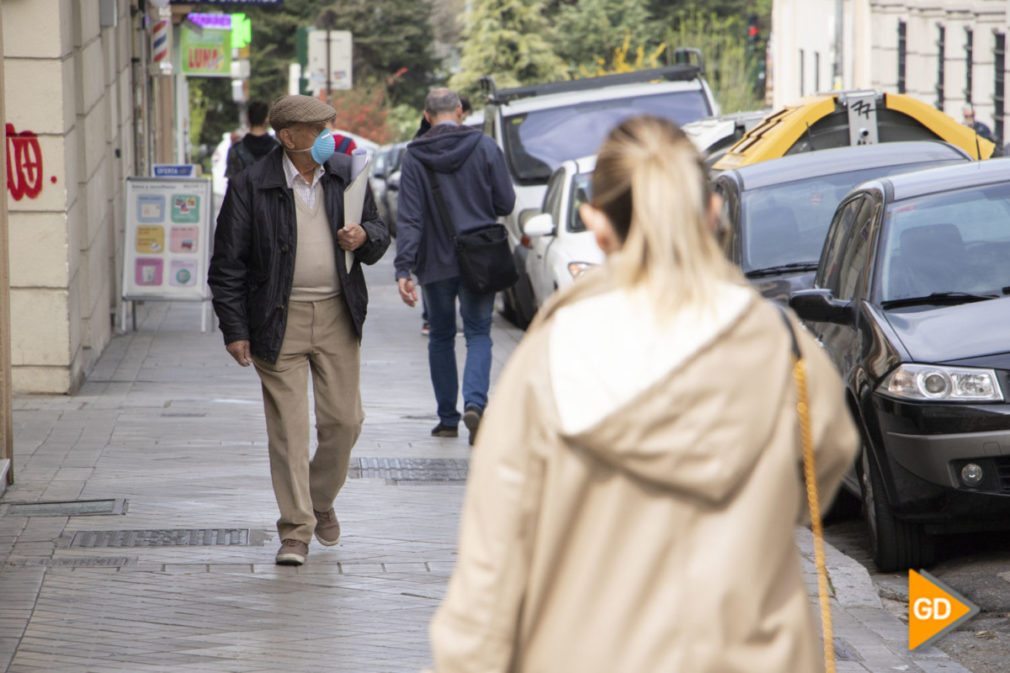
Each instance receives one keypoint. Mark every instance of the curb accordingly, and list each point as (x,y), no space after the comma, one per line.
(866,634)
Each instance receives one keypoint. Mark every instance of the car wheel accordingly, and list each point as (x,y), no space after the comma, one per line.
(508,306)
(525,306)
(894,544)
(517,301)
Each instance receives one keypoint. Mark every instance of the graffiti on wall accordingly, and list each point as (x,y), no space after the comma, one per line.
(24,164)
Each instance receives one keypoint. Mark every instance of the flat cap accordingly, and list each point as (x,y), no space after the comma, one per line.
(289,110)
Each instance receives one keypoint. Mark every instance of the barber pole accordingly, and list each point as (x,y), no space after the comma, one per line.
(159,36)
(160,44)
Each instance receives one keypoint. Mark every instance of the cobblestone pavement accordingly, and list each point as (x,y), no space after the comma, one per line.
(173,569)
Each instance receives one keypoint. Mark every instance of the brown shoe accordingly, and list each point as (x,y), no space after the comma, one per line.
(292,553)
(327,527)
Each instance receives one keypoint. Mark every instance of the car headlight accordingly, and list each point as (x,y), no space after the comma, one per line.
(942,384)
(578,268)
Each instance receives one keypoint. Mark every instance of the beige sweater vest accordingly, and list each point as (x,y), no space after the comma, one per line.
(316,275)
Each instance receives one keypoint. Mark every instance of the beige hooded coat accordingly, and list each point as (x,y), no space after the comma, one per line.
(633,495)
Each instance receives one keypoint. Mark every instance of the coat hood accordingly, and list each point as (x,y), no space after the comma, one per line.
(688,403)
(445,147)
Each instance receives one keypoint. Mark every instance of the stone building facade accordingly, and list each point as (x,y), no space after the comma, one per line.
(943,52)
(69,106)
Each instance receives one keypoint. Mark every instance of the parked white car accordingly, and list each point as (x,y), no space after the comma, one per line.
(715,135)
(539,126)
(561,247)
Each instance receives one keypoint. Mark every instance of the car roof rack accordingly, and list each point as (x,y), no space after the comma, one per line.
(682,70)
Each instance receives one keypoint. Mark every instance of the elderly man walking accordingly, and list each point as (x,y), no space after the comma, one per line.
(469,170)
(288,304)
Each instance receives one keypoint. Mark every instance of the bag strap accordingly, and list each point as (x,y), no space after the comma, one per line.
(245,154)
(813,501)
(443,212)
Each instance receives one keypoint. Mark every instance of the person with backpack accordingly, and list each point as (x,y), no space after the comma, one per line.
(254,145)
(473,190)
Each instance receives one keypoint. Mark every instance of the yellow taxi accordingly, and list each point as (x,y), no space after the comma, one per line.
(844,118)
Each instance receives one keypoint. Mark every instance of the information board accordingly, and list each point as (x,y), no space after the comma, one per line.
(167,244)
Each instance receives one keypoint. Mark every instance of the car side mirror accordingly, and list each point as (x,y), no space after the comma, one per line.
(818,305)
(526,214)
(393,181)
(539,225)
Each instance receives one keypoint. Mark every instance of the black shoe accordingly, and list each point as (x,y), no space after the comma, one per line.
(443,430)
(471,419)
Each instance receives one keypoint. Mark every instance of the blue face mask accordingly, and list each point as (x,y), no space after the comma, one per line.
(322,148)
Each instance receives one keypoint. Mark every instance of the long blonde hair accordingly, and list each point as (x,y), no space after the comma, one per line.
(651,183)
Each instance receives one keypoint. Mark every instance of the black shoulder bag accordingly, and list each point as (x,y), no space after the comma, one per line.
(485,261)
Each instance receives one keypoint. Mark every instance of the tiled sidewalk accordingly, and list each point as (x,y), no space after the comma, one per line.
(167,422)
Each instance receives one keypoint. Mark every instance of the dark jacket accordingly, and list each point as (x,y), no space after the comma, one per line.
(248,151)
(253,265)
(475,185)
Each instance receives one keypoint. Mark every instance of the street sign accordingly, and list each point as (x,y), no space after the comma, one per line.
(174,171)
(340,42)
(207,53)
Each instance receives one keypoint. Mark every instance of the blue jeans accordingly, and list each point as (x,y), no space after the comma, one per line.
(440,300)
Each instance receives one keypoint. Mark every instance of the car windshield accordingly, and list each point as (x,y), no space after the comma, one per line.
(580,195)
(951,242)
(538,142)
(785,224)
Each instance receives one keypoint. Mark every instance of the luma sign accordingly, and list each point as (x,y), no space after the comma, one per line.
(207,54)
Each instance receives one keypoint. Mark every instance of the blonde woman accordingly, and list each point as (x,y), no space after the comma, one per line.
(636,481)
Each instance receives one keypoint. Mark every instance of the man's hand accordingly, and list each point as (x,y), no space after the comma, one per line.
(351,236)
(240,351)
(408,291)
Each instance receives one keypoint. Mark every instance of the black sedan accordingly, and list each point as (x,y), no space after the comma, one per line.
(777,212)
(910,301)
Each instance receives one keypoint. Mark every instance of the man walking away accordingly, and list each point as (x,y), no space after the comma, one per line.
(254,145)
(968,112)
(474,182)
(288,304)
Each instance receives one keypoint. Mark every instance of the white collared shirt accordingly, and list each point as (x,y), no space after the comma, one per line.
(299,184)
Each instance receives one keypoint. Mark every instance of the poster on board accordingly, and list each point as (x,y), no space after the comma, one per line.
(167,243)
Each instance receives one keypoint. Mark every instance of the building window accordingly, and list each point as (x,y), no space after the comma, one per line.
(817,71)
(969,64)
(999,65)
(901,56)
(803,78)
(941,53)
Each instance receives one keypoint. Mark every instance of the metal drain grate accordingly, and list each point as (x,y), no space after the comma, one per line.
(409,469)
(66,508)
(77,562)
(196,537)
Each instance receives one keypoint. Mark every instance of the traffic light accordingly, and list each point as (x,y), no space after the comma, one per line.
(752,34)
(756,55)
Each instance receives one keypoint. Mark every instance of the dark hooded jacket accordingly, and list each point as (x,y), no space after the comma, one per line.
(253,266)
(248,151)
(475,185)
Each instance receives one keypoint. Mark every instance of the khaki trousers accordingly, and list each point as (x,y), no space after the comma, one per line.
(319,338)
